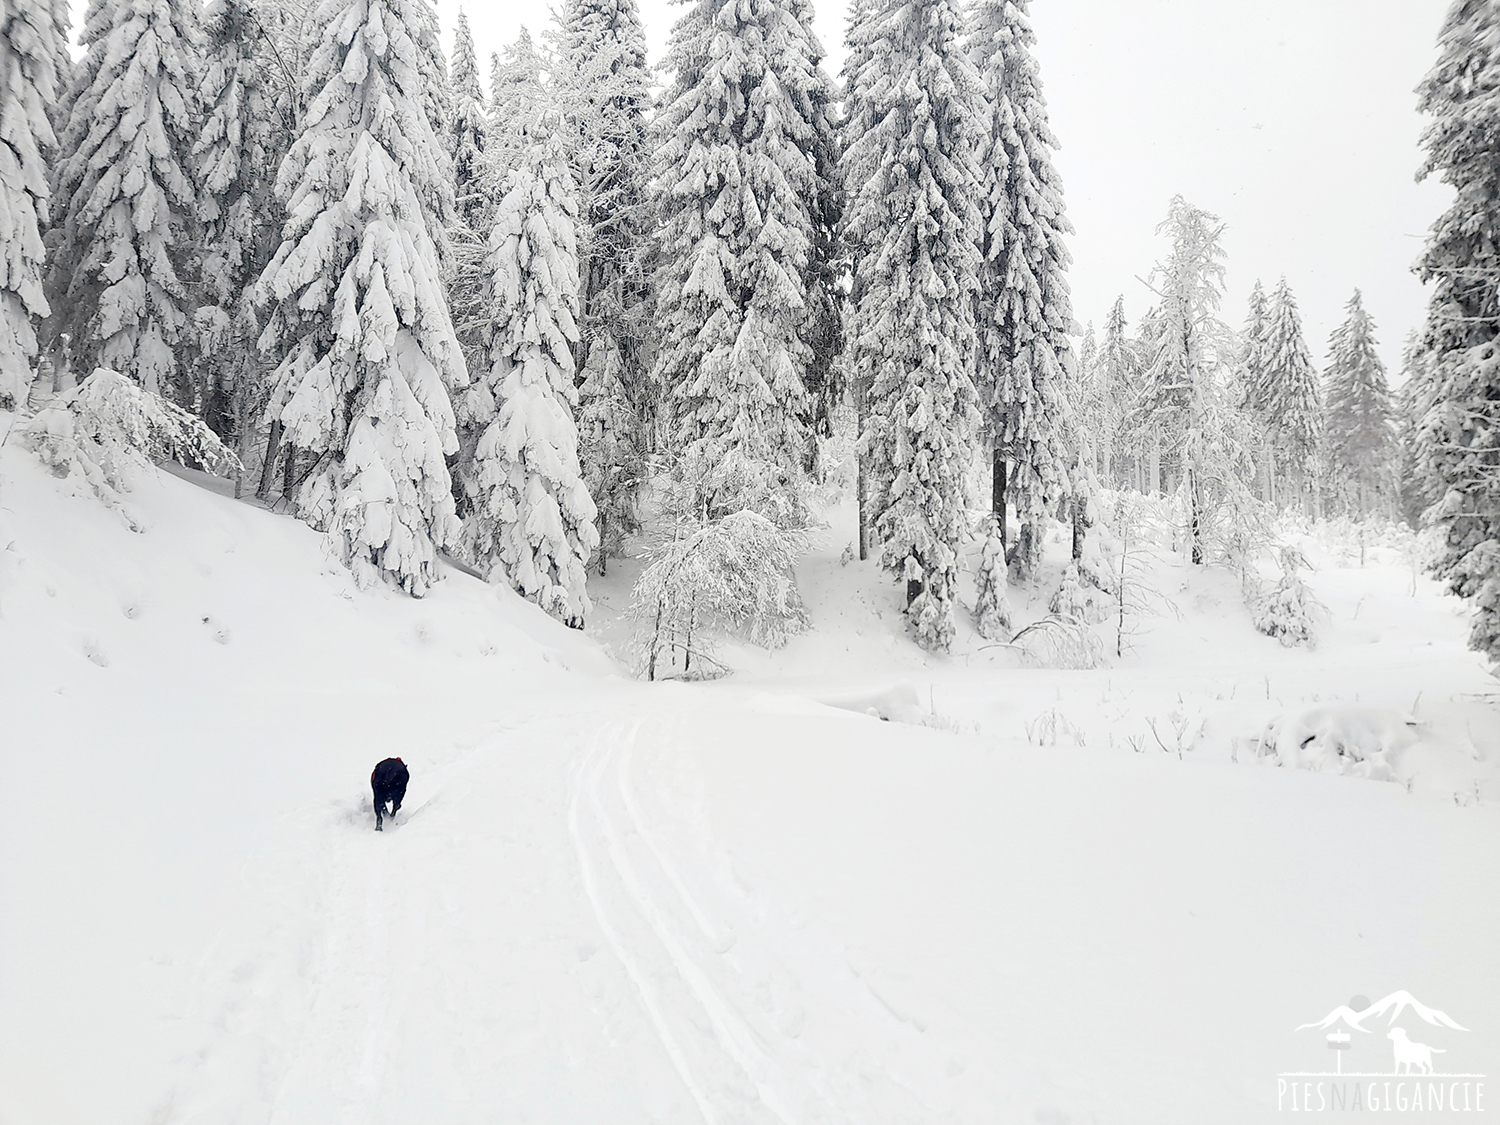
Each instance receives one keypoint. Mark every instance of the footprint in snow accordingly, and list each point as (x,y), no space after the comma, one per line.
(220,632)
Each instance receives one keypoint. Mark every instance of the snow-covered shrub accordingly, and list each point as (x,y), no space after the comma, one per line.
(732,577)
(992,608)
(1359,540)
(107,429)
(1060,642)
(1362,741)
(1077,598)
(1289,612)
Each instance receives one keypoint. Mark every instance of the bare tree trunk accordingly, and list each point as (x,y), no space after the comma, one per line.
(289,474)
(999,474)
(859,496)
(1195,518)
(655,641)
(273,446)
(861,484)
(242,438)
(1154,465)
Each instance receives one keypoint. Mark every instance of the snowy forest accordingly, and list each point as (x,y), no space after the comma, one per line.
(837,645)
(520,319)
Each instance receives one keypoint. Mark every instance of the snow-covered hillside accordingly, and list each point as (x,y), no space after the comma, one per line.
(745,901)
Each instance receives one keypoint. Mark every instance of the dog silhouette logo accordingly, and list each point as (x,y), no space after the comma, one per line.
(1409,1054)
(1359,1079)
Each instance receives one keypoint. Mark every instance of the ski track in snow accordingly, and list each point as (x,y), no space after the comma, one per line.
(740,1069)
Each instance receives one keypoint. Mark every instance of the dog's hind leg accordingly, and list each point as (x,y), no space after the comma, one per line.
(378,810)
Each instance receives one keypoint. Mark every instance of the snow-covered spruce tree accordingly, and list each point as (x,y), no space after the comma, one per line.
(437,99)
(1184,398)
(28,55)
(827,266)
(64,71)
(1024,308)
(613,465)
(468,131)
(1256,391)
(530,520)
(1458,439)
(515,90)
(1290,611)
(1361,438)
(1414,398)
(1254,373)
(1294,401)
(1117,376)
(368,355)
(913,214)
(605,87)
(992,615)
(121,260)
(739,139)
(855,120)
(466,135)
(245,118)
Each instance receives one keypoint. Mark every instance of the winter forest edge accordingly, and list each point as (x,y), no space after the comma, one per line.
(528,319)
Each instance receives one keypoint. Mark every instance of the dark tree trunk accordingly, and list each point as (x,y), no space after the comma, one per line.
(1197,531)
(1079,528)
(273,446)
(289,474)
(859,499)
(999,474)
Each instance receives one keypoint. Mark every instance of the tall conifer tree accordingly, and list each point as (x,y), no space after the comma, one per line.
(531,520)
(1025,311)
(606,92)
(1362,452)
(125,198)
(239,145)
(741,141)
(468,131)
(913,214)
(29,44)
(1457,443)
(368,354)
(1293,397)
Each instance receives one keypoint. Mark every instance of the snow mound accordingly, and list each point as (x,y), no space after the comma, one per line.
(1363,741)
(898,703)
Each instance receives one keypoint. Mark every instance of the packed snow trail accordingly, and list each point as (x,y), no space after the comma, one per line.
(736,1068)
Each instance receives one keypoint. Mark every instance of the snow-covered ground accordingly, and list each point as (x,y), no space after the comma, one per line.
(745,901)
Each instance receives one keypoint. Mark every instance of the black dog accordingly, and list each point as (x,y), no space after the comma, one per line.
(389,783)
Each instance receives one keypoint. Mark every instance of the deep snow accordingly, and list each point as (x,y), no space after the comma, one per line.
(743,901)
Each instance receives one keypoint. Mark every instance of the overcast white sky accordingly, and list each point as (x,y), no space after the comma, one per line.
(1293,120)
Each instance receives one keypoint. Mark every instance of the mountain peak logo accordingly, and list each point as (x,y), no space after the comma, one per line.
(1417,1036)
(1358,1010)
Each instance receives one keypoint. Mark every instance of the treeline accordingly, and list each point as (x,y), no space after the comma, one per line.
(435,313)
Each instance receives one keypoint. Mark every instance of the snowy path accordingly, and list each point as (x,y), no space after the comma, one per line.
(551,932)
(738,1068)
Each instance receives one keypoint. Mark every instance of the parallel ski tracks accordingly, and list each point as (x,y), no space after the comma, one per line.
(738,1068)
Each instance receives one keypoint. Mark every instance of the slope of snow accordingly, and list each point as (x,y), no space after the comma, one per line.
(745,901)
